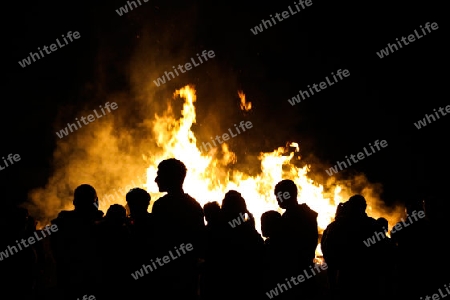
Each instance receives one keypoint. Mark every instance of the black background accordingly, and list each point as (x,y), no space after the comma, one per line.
(381,99)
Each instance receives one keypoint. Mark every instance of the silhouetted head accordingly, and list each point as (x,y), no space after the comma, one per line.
(212,212)
(382,224)
(233,204)
(85,198)
(356,205)
(116,213)
(171,174)
(138,201)
(341,210)
(270,223)
(286,193)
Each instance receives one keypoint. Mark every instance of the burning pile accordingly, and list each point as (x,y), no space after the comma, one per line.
(211,174)
(209,178)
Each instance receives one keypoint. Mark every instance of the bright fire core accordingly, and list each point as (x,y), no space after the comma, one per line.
(105,157)
(210,177)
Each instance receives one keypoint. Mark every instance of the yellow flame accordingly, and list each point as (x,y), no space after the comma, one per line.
(210,177)
(295,145)
(246,106)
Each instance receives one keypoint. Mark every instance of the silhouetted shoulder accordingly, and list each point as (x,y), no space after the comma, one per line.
(171,202)
(63,217)
(301,210)
(308,210)
(371,221)
(71,214)
(65,214)
(194,203)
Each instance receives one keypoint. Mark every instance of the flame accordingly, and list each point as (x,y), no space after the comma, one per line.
(246,106)
(113,162)
(209,176)
(319,256)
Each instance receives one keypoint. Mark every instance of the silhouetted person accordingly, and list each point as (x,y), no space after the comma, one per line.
(437,210)
(339,214)
(416,246)
(299,237)
(142,245)
(386,262)
(340,211)
(74,245)
(240,251)
(18,263)
(209,272)
(273,249)
(354,261)
(212,213)
(142,223)
(113,239)
(180,220)
(270,225)
(327,250)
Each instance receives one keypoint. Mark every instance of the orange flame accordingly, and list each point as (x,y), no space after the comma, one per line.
(246,106)
(209,177)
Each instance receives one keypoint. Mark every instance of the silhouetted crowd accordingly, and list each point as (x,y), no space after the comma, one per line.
(129,253)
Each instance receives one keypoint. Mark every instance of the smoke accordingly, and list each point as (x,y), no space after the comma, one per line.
(352,183)
(113,152)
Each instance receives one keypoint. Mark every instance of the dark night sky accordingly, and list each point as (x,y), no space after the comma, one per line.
(380,100)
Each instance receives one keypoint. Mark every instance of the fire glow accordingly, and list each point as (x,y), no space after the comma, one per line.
(209,178)
(210,175)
